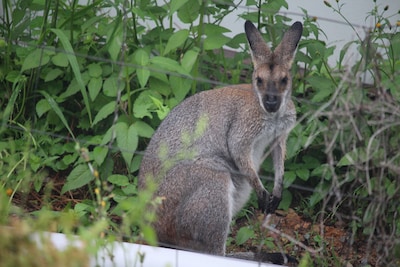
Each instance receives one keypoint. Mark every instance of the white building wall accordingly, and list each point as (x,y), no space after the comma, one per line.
(338,32)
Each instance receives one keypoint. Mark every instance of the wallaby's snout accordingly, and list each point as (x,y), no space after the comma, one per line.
(272,100)
(272,103)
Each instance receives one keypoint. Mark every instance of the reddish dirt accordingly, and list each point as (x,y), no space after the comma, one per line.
(32,200)
(327,245)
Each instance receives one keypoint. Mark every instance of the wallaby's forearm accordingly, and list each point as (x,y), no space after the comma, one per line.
(278,157)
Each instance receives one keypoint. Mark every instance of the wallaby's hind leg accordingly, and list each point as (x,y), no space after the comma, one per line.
(202,214)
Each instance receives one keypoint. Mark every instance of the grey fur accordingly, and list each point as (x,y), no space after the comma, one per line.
(205,155)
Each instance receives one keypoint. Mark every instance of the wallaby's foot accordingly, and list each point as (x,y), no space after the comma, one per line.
(263,201)
(273,204)
(268,203)
(274,258)
(245,255)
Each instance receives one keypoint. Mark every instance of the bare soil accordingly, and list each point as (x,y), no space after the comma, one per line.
(327,245)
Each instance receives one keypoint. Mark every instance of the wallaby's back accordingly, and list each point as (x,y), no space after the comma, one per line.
(205,156)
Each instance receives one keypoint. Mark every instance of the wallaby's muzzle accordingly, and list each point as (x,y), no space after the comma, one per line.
(272,98)
(272,102)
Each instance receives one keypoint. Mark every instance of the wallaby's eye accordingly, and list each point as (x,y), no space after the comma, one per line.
(259,81)
(284,80)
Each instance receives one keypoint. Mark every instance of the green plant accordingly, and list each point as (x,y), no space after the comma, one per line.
(356,128)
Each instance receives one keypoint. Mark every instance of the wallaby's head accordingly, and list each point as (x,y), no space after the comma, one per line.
(271,77)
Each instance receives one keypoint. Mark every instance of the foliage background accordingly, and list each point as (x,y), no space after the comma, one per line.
(82,92)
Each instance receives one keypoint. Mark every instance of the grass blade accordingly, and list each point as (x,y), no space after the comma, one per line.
(57,110)
(75,67)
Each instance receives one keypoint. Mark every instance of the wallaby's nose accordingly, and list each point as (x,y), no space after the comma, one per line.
(271,102)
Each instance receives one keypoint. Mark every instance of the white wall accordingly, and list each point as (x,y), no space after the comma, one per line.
(337,31)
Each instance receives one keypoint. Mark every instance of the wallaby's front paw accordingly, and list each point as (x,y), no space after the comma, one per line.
(273,204)
(263,201)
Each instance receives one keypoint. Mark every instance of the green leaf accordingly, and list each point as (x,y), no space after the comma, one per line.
(215,41)
(99,154)
(237,41)
(130,189)
(189,12)
(127,141)
(53,74)
(16,89)
(189,60)
(149,234)
(323,87)
(72,89)
(78,177)
(391,188)
(143,75)
(289,178)
(35,162)
(69,158)
(176,40)
(162,111)
(286,200)
(137,159)
(180,87)
(58,111)
(114,41)
(107,136)
(75,68)
(143,129)
(306,261)
(95,70)
(111,85)
(357,155)
(244,234)
(176,4)
(42,106)
(118,179)
(143,106)
(104,112)
(303,174)
(94,87)
(142,58)
(322,171)
(35,59)
(164,64)
(60,60)
(13,76)
(81,209)
(214,30)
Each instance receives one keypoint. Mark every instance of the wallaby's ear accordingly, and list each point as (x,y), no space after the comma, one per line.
(285,50)
(260,52)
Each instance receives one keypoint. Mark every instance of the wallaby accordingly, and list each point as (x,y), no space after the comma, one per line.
(205,155)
